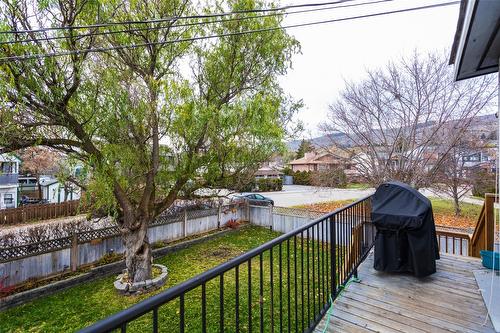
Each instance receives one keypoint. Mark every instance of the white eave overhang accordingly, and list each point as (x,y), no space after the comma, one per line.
(476,48)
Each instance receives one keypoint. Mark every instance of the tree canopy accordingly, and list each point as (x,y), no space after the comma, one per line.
(153,122)
(404,119)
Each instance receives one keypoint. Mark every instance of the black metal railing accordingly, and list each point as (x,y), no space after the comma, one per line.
(286,284)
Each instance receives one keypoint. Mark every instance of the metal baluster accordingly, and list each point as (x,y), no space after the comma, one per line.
(155,320)
(261,298)
(249,295)
(302,276)
(333,265)
(272,287)
(221,303)
(295,282)
(308,284)
(319,269)
(203,308)
(181,313)
(237,297)
(281,288)
(323,262)
(289,317)
(313,275)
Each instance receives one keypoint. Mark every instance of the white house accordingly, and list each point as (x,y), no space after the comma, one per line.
(55,192)
(9,172)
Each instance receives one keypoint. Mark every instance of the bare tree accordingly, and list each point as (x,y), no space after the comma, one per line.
(452,176)
(397,117)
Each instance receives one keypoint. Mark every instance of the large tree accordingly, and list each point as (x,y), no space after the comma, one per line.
(402,121)
(304,147)
(152,122)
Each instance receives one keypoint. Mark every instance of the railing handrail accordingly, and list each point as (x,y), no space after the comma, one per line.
(483,238)
(147,305)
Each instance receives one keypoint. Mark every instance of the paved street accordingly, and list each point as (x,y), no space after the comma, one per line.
(293,195)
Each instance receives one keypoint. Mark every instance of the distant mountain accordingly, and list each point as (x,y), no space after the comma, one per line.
(480,124)
(338,138)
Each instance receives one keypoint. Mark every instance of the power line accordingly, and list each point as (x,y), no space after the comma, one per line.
(133,46)
(175,18)
(45,39)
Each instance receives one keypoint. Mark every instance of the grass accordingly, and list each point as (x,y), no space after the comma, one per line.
(443,209)
(444,213)
(443,206)
(357,186)
(75,308)
(326,207)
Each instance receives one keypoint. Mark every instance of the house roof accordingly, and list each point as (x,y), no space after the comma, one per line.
(266,171)
(9,158)
(312,159)
(476,46)
(48,182)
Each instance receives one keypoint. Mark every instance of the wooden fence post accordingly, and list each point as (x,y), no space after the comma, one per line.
(489,201)
(184,225)
(219,213)
(271,217)
(74,253)
(247,203)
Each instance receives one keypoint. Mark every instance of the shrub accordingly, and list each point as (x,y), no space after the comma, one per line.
(287,171)
(232,223)
(4,290)
(484,182)
(302,178)
(329,178)
(269,184)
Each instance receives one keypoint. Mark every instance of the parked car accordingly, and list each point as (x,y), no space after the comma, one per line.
(257,198)
(32,201)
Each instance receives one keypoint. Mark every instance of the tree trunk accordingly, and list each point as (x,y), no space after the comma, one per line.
(138,252)
(456,201)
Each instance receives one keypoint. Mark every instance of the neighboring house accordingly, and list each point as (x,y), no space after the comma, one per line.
(9,172)
(28,185)
(314,161)
(267,172)
(55,192)
(479,157)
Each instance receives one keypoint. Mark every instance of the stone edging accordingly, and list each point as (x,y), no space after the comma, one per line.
(95,273)
(137,288)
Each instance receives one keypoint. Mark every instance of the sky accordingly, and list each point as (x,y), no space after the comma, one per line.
(334,52)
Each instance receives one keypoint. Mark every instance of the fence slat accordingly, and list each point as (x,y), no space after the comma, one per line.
(31,213)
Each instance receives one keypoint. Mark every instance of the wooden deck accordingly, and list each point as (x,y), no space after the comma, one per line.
(447,301)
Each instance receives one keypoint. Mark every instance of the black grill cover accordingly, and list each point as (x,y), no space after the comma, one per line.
(406,235)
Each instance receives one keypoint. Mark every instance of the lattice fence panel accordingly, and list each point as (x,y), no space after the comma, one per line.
(87,236)
(31,249)
(196,214)
(168,218)
(26,250)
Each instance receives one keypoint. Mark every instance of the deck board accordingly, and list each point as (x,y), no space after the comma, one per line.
(447,301)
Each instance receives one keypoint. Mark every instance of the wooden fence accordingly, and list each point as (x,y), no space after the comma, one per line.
(31,213)
(43,259)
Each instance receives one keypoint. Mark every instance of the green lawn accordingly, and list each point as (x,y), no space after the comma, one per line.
(446,207)
(358,186)
(80,306)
